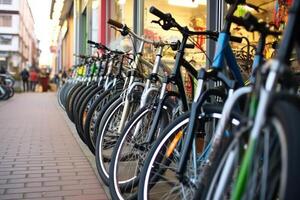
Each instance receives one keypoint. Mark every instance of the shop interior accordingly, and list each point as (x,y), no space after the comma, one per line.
(193,14)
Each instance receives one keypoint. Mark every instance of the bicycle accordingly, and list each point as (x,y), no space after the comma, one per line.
(267,143)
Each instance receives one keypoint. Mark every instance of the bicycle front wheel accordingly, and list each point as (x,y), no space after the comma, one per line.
(108,134)
(160,179)
(131,149)
(271,171)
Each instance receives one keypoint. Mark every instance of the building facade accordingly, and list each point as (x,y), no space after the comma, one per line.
(77,21)
(18,43)
(80,20)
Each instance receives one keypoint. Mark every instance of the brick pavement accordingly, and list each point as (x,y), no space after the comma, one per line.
(39,157)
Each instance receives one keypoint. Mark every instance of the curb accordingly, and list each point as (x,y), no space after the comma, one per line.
(84,149)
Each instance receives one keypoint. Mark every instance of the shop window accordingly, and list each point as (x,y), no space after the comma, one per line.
(84,32)
(6,2)
(5,20)
(95,20)
(190,13)
(122,11)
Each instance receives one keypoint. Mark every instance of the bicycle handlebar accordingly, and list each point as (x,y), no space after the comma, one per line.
(115,23)
(129,31)
(170,22)
(236,39)
(252,24)
(159,13)
(98,45)
(235,1)
(92,42)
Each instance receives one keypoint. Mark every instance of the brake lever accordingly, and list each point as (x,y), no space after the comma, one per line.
(93,46)
(156,22)
(166,25)
(119,30)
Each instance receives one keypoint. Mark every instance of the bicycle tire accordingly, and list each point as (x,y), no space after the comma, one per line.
(70,96)
(100,158)
(110,115)
(77,103)
(285,118)
(83,107)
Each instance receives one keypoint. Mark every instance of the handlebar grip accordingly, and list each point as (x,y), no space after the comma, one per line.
(115,23)
(237,20)
(92,42)
(238,2)
(254,25)
(230,1)
(275,33)
(189,46)
(252,22)
(158,13)
(236,39)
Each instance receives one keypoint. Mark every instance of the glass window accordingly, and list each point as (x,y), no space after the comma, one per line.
(7,2)
(5,40)
(5,20)
(122,11)
(190,13)
(95,20)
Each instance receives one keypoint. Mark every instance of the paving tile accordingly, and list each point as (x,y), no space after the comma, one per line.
(32,189)
(87,197)
(14,185)
(81,186)
(11,196)
(33,195)
(92,191)
(33,184)
(62,193)
(61,183)
(2,191)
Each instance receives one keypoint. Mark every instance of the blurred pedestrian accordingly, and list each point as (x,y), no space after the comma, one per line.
(33,79)
(44,79)
(56,80)
(2,70)
(64,77)
(25,76)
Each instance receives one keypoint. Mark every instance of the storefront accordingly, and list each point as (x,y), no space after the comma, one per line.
(91,16)
(196,14)
(136,15)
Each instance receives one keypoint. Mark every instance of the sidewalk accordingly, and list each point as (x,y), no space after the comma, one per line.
(39,156)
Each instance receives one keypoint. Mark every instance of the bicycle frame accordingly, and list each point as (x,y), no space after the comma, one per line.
(176,79)
(223,52)
(146,85)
